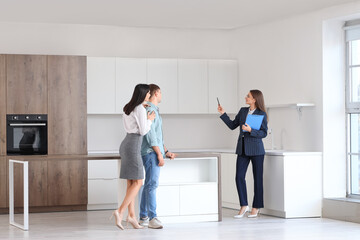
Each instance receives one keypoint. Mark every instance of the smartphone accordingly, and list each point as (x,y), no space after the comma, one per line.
(218,100)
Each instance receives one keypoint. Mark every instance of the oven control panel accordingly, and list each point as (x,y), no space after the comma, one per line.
(26,117)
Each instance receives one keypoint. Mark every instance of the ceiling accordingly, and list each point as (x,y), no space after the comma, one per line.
(198,14)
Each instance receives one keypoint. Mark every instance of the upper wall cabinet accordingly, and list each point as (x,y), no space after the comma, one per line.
(193,86)
(101,73)
(163,72)
(223,77)
(129,73)
(26,84)
(188,86)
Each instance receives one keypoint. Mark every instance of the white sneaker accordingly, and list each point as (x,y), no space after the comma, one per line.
(144,222)
(155,223)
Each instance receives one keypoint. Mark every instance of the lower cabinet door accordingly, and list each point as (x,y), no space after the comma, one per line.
(4,169)
(67,182)
(37,180)
(199,199)
(103,169)
(167,199)
(102,191)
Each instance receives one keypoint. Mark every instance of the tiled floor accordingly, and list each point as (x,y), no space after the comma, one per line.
(96,225)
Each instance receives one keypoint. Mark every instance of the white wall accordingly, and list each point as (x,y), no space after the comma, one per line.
(103,41)
(283,60)
(301,59)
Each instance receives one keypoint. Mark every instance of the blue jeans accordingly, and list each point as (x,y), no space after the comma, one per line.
(148,196)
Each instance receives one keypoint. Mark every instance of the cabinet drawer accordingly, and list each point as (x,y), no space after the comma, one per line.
(199,199)
(102,191)
(167,198)
(103,169)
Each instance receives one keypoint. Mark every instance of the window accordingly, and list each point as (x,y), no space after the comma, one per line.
(353,106)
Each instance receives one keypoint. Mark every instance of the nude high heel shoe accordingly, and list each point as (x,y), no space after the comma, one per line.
(118,218)
(134,223)
(242,214)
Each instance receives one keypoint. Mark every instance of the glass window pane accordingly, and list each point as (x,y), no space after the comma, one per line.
(354,148)
(354,133)
(354,174)
(355,52)
(355,84)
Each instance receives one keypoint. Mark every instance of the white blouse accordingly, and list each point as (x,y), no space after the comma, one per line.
(136,121)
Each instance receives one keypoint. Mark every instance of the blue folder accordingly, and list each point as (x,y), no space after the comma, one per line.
(254,121)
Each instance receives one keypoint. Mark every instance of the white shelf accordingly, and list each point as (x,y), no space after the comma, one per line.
(298,106)
(291,105)
(182,171)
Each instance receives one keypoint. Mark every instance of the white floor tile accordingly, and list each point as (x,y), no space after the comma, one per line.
(96,225)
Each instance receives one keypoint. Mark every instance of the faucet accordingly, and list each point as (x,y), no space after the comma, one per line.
(270,131)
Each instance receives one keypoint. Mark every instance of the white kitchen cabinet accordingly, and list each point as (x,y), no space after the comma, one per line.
(292,183)
(199,199)
(188,190)
(188,86)
(163,72)
(193,86)
(102,194)
(168,200)
(223,79)
(129,73)
(101,85)
(229,193)
(103,181)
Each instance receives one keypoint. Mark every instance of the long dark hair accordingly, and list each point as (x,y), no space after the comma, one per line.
(137,98)
(259,101)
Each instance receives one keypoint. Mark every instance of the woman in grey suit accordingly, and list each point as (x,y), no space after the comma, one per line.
(249,148)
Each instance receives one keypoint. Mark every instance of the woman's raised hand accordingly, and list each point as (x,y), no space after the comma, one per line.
(220,109)
(151,116)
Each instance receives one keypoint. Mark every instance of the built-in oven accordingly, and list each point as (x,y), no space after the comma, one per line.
(26,134)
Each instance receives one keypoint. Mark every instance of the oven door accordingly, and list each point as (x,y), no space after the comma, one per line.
(26,138)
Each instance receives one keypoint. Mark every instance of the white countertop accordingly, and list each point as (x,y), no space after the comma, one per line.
(271,152)
(278,152)
(275,152)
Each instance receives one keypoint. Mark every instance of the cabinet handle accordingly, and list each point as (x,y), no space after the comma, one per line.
(26,124)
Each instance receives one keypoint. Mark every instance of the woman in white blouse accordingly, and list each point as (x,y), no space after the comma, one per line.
(136,123)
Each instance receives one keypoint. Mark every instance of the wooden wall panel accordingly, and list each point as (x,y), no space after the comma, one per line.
(2,106)
(67,113)
(3,183)
(26,78)
(67,182)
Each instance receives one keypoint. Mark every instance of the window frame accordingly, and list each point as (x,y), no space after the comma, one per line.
(350,108)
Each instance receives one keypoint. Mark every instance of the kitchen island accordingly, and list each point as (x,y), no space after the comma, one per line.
(189,188)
